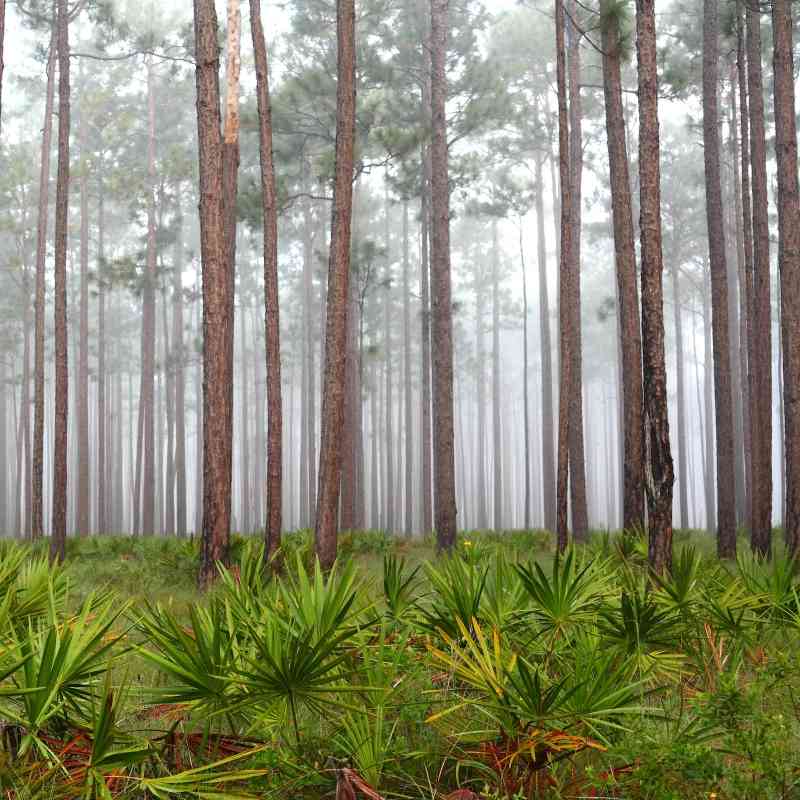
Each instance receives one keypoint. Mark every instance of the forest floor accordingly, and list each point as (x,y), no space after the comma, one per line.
(502,672)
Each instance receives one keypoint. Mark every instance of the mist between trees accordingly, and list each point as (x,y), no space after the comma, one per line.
(455,266)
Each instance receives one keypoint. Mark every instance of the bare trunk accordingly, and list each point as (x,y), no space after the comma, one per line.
(179,366)
(788,256)
(761,332)
(497,445)
(330,460)
(60,441)
(408,525)
(683,472)
(659,476)
(628,324)
(84,512)
(525,382)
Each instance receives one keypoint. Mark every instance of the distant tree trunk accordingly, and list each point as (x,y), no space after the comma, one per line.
(84,513)
(244,425)
(388,359)
(426,469)
(482,521)
(442,340)
(330,460)
(271,304)
(683,471)
(408,525)
(25,406)
(349,447)
(577,458)
(742,225)
(374,462)
(761,331)
(525,382)
(565,277)
(2,41)
(497,445)
(37,478)
(627,293)
(102,378)
(179,366)
(216,248)
(726,478)
(168,395)
(788,256)
(546,348)
(58,539)
(708,397)
(659,476)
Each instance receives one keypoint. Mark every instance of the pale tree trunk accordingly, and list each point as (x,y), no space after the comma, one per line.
(37,500)
(426,467)
(334,383)
(788,256)
(389,498)
(726,478)
(102,378)
(628,325)
(178,366)
(83,502)
(761,331)
(577,459)
(245,526)
(565,274)
(659,476)
(497,445)
(408,525)
(546,348)
(525,399)
(683,470)
(482,521)
(708,397)
(168,395)
(217,297)
(60,440)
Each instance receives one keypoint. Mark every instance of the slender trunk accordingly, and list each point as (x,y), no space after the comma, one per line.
(408,526)
(565,276)
(388,359)
(102,378)
(216,245)
(168,395)
(788,256)
(525,382)
(546,347)
(330,459)
(761,333)
(708,393)
(577,459)
(683,473)
(659,476)
(37,501)
(244,423)
(628,324)
(178,366)
(482,521)
(60,441)
(497,445)
(441,306)
(84,513)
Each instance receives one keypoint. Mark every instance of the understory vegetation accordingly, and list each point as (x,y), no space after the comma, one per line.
(501,671)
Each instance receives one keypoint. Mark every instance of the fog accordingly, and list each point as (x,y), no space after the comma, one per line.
(505,247)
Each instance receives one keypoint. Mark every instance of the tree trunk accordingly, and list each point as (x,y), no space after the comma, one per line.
(388,359)
(708,396)
(546,347)
(217,298)
(442,339)
(168,395)
(408,525)
(482,517)
(497,445)
(102,379)
(60,442)
(577,465)
(84,513)
(37,501)
(726,478)
(565,278)
(761,333)
(330,459)
(627,293)
(525,382)
(788,256)
(178,366)
(683,471)
(426,469)
(659,476)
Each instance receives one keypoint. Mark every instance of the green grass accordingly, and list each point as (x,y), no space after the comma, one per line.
(502,670)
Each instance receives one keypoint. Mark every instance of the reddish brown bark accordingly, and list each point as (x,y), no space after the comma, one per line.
(761,332)
(659,475)
(271,305)
(726,478)
(330,458)
(627,293)
(217,301)
(60,443)
(441,306)
(788,256)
